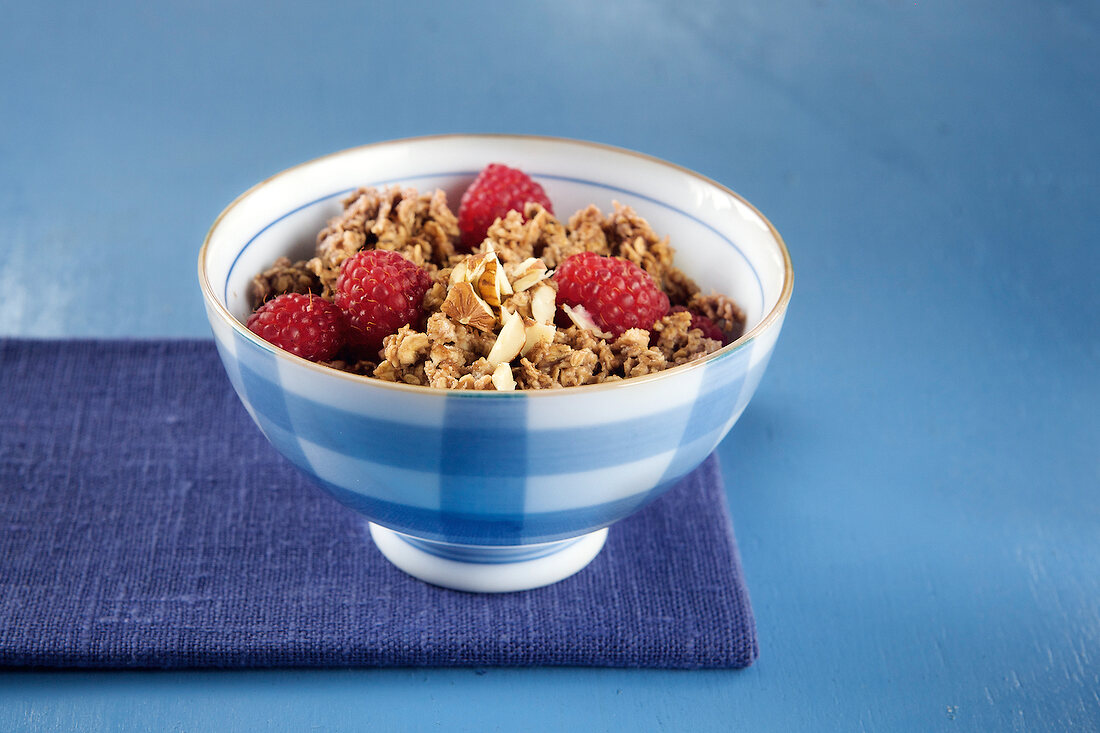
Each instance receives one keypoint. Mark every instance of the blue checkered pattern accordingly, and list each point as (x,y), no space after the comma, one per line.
(478,468)
(490,468)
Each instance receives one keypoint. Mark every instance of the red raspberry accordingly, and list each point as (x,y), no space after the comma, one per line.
(380,291)
(497,190)
(305,325)
(704,324)
(616,293)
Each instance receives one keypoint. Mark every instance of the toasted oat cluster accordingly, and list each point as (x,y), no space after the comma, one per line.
(492,319)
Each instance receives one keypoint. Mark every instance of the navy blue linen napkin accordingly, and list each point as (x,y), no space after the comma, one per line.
(146,522)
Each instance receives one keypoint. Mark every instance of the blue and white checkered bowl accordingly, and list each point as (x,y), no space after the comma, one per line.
(489,491)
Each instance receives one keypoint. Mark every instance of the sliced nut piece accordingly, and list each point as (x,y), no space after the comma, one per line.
(536,333)
(531,271)
(509,341)
(582,319)
(463,305)
(502,378)
(488,281)
(503,285)
(475,265)
(542,303)
(458,274)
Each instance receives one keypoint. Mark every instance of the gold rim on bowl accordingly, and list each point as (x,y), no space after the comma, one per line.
(773,315)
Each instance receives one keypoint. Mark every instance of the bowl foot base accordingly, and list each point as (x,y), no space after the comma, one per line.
(484,569)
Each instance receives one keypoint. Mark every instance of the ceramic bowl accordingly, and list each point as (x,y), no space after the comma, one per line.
(496,491)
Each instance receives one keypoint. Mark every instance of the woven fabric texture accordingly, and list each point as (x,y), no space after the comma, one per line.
(146,522)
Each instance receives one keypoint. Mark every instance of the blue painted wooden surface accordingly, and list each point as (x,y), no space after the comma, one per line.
(915,485)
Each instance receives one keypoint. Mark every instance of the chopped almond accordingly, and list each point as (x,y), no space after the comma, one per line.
(542,303)
(502,378)
(582,319)
(537,333)
(509,341)
(464,305)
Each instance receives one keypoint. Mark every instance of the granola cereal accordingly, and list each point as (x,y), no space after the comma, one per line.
(419,226)
(722,311)
(491,317)
(282,277)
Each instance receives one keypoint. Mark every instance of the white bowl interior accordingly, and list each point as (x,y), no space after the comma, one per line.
(721,241)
